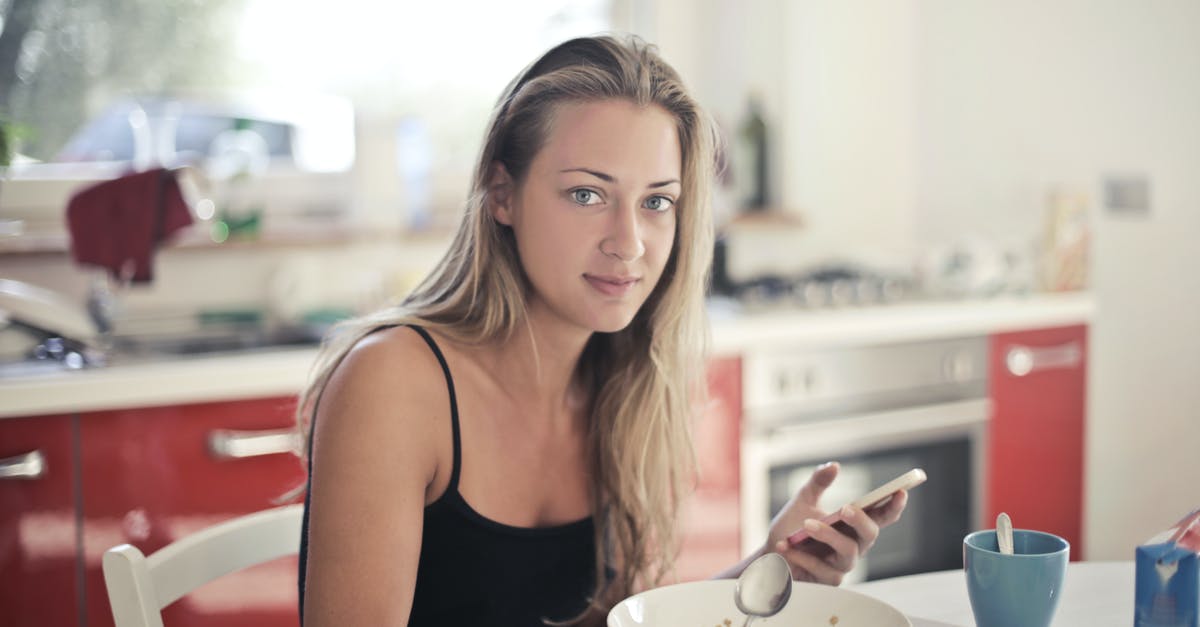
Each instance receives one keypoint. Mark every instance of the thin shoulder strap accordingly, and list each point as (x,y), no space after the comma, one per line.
(437,352)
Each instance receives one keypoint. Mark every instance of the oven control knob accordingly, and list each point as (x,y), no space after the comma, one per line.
(958,367)
(794,382)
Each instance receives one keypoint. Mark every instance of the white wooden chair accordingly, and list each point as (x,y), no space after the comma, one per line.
(139,586)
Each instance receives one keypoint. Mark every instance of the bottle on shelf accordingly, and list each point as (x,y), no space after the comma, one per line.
(751,165)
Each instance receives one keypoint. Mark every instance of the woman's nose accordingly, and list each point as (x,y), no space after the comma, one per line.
(624,240)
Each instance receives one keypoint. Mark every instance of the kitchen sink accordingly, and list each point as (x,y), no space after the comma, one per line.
(128,350)
(182,346)
(42,332)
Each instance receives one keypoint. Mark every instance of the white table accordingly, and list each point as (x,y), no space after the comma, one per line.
(1094,594)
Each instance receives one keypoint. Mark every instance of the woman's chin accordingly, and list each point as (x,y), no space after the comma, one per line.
(611,324)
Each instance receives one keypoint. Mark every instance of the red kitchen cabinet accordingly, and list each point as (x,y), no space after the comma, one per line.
(38,532)
(153,475)
(710,530)
(1037,384)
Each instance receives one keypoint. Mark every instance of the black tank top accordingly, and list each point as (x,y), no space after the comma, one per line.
(476,572)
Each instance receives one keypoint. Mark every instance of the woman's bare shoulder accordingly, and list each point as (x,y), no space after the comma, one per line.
(392,366)
(390,391)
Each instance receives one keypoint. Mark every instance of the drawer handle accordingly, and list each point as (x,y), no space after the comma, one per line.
(228,444)
(1024,360)
(31,465)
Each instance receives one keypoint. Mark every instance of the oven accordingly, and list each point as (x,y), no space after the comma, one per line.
(879,410)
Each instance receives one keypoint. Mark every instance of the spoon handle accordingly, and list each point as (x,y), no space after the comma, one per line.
(1004,533)
(749,619)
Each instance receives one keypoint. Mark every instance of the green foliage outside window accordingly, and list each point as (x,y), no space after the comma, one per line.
(61,61)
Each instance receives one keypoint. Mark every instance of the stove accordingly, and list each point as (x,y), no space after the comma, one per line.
(826,287)
(829,285)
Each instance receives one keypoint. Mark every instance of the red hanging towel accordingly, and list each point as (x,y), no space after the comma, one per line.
(118,224)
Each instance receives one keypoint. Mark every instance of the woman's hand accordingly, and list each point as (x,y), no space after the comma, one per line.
(831,553)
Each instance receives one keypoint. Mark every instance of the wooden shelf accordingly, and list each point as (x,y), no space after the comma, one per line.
(770,217)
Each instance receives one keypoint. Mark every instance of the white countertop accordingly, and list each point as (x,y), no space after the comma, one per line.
(1094,594)
(739,332)
(281,372)
(216,377)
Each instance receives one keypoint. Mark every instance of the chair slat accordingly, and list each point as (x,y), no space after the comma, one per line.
(139,587)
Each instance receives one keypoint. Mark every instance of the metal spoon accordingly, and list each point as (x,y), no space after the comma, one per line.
(1004,534)
(764,587)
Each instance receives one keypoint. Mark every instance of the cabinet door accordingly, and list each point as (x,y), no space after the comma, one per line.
(1037,380)
(151,476)
(710,517)
(38,547)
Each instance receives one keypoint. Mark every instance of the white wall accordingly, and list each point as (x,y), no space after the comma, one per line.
(849,127)
(838,98)
(1018,95)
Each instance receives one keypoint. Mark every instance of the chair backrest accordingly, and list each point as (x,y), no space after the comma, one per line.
(139,586)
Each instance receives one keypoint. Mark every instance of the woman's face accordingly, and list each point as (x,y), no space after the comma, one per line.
(594,219)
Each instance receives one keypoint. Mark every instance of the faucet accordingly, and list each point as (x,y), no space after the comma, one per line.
(101,305)
(63,330)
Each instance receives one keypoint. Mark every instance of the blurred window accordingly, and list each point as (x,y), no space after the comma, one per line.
(66,66)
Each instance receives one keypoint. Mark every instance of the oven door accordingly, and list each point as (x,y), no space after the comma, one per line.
(945,439)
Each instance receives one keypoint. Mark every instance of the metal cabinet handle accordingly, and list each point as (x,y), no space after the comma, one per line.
(31,465)
(228,444)
(1025,360)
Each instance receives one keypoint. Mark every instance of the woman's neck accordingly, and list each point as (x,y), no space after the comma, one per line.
(536,368)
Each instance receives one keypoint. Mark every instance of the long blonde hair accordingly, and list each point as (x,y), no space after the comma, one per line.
(644,382)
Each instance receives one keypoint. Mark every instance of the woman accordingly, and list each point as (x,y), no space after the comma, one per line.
(509,445)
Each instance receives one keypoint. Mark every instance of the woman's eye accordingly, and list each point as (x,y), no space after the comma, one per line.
(585,196)
(659,203)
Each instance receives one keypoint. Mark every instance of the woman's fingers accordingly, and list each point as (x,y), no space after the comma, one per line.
(807,566)
(890,512)
(844,546)
(866,529)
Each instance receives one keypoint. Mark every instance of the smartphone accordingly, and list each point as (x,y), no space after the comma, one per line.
(875,498)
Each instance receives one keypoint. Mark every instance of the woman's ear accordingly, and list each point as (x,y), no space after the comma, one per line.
(500,192)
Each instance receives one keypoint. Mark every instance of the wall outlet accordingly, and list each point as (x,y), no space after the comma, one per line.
(1127,195)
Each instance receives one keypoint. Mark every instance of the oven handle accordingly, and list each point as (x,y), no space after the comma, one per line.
(872,431)
(1021,361)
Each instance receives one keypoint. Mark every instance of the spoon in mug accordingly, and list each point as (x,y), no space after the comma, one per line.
(1004,533)
(764,587)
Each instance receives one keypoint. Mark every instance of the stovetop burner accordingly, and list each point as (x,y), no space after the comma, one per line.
(826,287)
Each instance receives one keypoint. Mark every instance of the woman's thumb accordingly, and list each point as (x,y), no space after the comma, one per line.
(821,478)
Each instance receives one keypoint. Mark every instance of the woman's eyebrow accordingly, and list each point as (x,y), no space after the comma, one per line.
(608,178)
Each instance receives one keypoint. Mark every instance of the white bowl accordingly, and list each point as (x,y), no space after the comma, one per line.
(710,604)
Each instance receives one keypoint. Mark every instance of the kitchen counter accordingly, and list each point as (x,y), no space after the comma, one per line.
(737,332)
(194,379)
(263,373)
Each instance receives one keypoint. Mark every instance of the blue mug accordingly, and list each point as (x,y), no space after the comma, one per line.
(1018,590)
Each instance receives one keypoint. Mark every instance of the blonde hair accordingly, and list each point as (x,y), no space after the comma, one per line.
(645,381)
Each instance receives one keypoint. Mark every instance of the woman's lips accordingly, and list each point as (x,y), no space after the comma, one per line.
(611,285)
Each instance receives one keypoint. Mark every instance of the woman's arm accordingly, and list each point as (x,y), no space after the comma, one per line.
(375,454)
